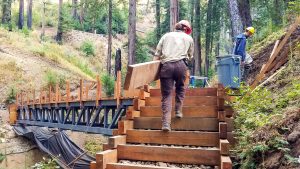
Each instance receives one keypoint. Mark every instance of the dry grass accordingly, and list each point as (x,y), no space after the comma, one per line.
(64,55)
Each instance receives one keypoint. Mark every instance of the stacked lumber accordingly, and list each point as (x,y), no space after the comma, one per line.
(275,62)
(202,137)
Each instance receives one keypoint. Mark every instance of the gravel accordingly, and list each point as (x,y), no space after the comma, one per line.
(163,164)
(175,146)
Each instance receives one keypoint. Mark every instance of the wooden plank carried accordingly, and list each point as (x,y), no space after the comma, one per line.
(189,92)
(185,123)
(274,53)
(191,138)
(188,111)
(130,166)
(188,101)
(141,74)
(169,154)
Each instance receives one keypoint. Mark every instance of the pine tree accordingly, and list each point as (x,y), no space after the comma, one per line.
(108,67)
(174,13)
(132,32)
(208,35)
(235,18)
(60,20)
(197,39)
(74,9)
(245,13)
(29,14)
(6,12)
(157,17)
(21,15)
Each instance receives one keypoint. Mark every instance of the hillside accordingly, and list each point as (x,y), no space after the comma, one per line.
(273,107)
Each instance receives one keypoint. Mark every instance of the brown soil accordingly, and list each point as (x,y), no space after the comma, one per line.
(291,125)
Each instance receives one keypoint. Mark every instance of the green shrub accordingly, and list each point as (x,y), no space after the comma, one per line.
(88,48)
(2,157)
(11,97)
(92,146)
(108,84)
(142,51)
(46,164)
(51,79)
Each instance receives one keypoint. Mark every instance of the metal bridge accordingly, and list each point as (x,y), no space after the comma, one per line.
(84,112)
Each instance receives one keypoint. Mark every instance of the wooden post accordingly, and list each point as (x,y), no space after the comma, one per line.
(56,94)
(68,93)
(27,99)
(40,100)
(86,92)
(105,157)
(50,91)
(81,92)
(223,130)
(33,96)
(224,147)
(98,91)
(118,88)
(22,101)
(17,99)
(221,95)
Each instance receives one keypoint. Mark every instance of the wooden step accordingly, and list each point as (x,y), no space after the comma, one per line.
(185,123)
(169,154)
(188,101)
(130,166)
(188,111)
(190,92)
(191,138)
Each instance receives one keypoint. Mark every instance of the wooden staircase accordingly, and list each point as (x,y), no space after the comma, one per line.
(199,138)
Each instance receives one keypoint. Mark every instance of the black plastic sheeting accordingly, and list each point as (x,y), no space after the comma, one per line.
(58,145)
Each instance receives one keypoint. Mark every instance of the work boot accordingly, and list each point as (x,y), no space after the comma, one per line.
(178,114)
(166,127)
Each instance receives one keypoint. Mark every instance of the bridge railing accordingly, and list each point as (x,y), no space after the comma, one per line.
(83,109)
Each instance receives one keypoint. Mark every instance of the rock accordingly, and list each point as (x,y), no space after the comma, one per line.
(161,164)
(292,138)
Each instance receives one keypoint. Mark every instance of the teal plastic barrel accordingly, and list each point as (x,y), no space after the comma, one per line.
(228,70)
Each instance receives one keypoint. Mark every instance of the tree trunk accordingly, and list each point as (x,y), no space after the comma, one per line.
(245,13)
(208,35)
(74,9)
(174,13)
(197,40)
(6,12)
(83,4)
(192,11)
(29,14)
(60,20)
(157,17)
(235,18)
(118,61)
(131,32)
(276,16)
(21,15)
(108,67)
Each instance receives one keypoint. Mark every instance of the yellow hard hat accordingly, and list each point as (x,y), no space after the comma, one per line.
(251,30)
